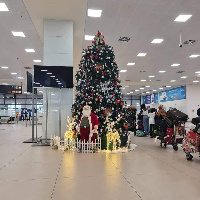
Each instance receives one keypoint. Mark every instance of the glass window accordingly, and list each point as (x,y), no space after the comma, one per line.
(9,101)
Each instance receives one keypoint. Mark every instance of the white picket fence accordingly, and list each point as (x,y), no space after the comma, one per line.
(77,145)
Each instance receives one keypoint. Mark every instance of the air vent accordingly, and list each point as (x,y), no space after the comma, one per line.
(180,72)
(158,80)
(28,67)
(142,71)
(124,39)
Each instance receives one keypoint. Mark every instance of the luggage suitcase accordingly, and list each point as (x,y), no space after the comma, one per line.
(169,122)
(177,115)
(169,135)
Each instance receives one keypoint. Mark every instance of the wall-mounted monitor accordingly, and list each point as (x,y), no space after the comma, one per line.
(53,76)
(10,89)
(29,82)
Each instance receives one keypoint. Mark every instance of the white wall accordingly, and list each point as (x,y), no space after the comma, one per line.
(193,100)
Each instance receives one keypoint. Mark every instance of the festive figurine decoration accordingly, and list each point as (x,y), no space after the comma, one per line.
(88,125)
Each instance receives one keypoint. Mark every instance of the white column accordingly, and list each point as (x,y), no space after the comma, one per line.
(58,51)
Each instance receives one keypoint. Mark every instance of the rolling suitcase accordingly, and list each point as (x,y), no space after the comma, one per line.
(177,115)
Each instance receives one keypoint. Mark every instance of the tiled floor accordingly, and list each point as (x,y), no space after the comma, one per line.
(40,173)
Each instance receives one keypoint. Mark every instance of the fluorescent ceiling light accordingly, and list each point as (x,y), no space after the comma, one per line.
(147,92)
(20,77)
(3,7)
(151,76)
(49,73)
(194,56)
(123,70)
(142,54)
(126,86)
(168,86)
(161,88)
(184,77)
(44,70)
(157,41)
(175,65)
(128,93)
(13,73)
(30,50)
(37,83)
(18,34)
(53,94)
(59,83)
(173,81)
(143,80)
(37,61)
(5,83)
(136,90)
(25,92)
(131,92)
(141,88)
(154,90)
(4,67)
(198,72)
(131,64)
(195,81)
(89,37)
(162,71)
(147,86)
(182,18)
(52,76)
(94,13)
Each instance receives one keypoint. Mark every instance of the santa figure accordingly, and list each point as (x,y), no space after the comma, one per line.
(88,125)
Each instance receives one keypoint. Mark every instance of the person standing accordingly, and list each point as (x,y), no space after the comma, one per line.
(22,115)
(152,121)
(145,119)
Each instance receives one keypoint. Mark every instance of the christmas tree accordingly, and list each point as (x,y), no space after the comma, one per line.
(98,85)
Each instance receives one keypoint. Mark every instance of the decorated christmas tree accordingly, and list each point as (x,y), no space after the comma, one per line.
(99,87)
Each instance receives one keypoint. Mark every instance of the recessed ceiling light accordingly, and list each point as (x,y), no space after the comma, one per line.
(131,92)
(183,76)
(194,56)
(20,77)
(175,65)
(30,50)
(143,80)
(182,18)
(18,34)
(131,64)
(154,90)
(147,86)
(13,73)
(4,67)
(136,90)
(157,41)
(168,86)
(173,81)
(147,92)
(142,54)
(161,88)
(94,13)
(59,83)
(3,7)
(37,61)
(162,71)
(123,70)
(151,76)
(52,76)
(195,81)
(141,88)
(89,37)
(49,73)
(44,70)
(198,72)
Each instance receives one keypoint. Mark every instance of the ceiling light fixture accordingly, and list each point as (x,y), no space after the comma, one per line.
(30,50)
(128,93)
(20,77)
(52,76)
(142,54)
(49,73)
(194,56)
(136,90)
(44,70)
(126,86)
(13,73)
(154,90)
(18,34)
(161,88)
(37,61)
(3,7)
(94,13)
(157,41)
(141,88)
(147,86)
(123,70)
(143,80)
(162,71)
(173,81)
(5,83)
(195,81)
(151,76)
(59,83)
(4,67)
(198,72)
(168,86)
(183,76)
(131,92)
(175,65)
(89,37)
(131,64)
(147,92)
(182,18)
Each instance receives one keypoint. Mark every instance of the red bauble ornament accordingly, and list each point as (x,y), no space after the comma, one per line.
(93,41)
(122,103)
(113,94)
(96,57)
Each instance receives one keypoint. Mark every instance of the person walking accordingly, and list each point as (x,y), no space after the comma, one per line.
(145,119)
(152,121)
